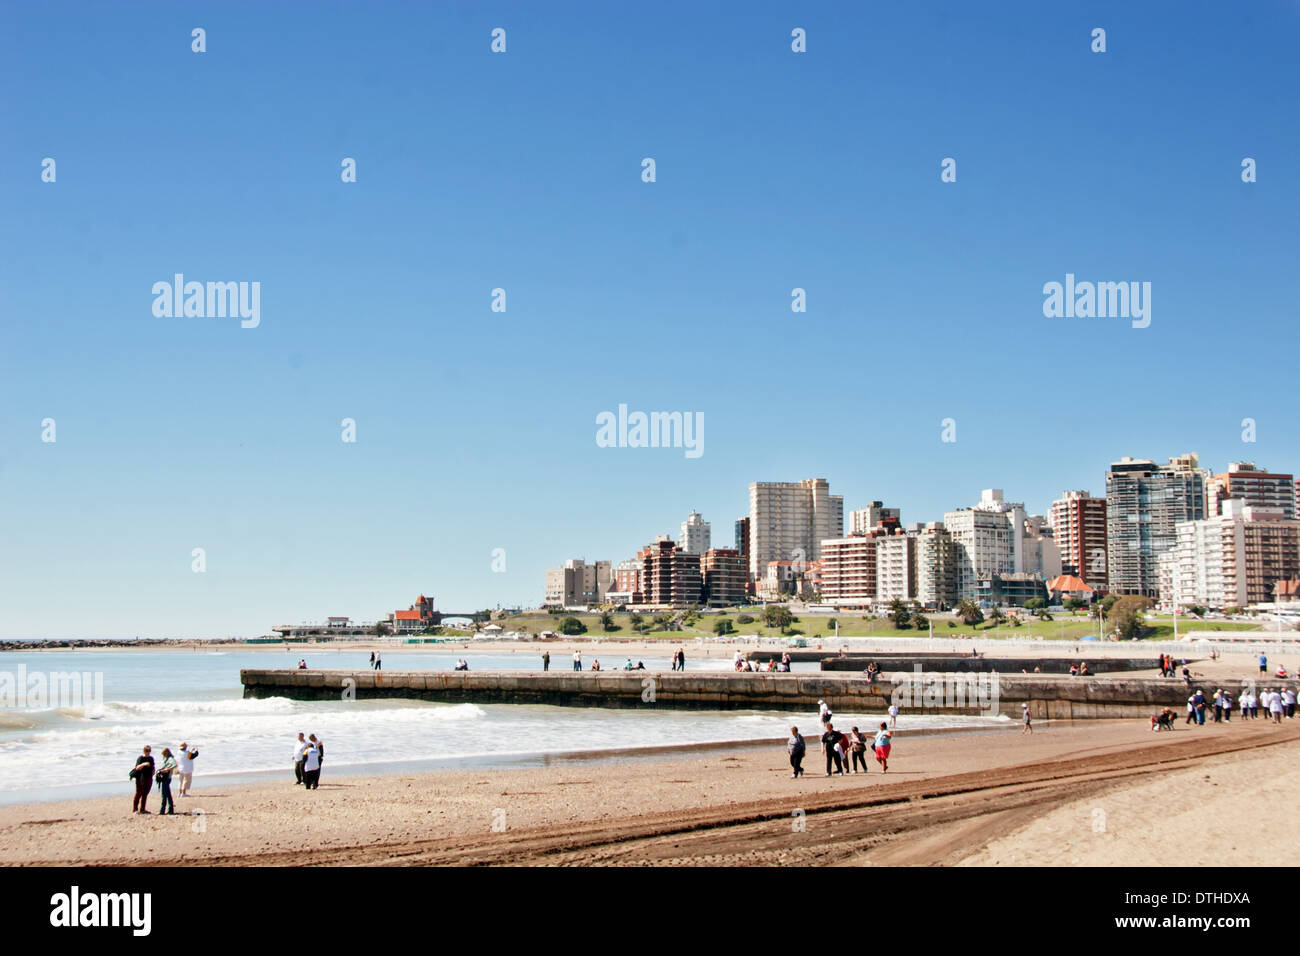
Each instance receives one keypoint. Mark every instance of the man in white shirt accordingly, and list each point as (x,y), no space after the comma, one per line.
(1288,702)
(298,756)
(185,765)
(577,660)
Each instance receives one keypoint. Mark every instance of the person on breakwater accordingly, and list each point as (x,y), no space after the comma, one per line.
(883,743)
(577,660)
(546,660)
(299,755)
(831,747)
(379,661)
(372,660)
(796,748)
(142,774)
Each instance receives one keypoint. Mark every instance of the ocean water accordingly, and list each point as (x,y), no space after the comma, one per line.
(58,746)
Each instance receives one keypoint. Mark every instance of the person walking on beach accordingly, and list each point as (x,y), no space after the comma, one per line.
(143,774)
(1218,706)
(831,748)
(577,660)
(824,713)
(1191,710)
(1226,699)
(299,749)
(1198,700)
(185,759)
(796,747)
(893,715)
(165,783)
(1028,727)
(1263,664)
(1288,702)
(311,767)
(1275,706)
(884,740)
(858,747)
(546,660)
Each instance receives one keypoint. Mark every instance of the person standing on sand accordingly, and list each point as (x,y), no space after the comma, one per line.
(143,780)
(165,783)
(883,742)
(796,748)
(320,753)
(831,748)
(1275,706)
(1288,702)
(546,660)
(858,747)
(186,761)
(1263,664)
(893,715)
(299,749)
(1028,728)
(311,767)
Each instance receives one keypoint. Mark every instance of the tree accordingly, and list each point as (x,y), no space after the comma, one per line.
(830,624)
(607,622)
(920,621)
(571,625)
(637,622)
(774,615)
(723,626)
(901,616)
(1035,604)
(380,629)
(1108,602)
(1073,604)
(662,622)
(1126,615)
(1197,610)
(970,613)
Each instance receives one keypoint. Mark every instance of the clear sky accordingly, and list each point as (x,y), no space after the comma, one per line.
(523,170)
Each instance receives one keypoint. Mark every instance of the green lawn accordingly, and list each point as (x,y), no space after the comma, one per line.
(1064,626)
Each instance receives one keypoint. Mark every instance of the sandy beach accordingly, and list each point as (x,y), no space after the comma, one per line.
(960,798)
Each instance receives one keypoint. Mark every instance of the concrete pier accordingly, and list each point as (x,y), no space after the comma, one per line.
(1048,696)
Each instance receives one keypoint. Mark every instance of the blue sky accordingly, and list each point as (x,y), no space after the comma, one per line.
(522,170)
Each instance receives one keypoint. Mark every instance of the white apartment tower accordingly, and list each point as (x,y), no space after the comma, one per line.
(788,521)
(987,539)
(695,535)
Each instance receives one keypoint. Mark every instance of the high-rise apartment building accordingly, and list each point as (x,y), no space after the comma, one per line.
(896,577)
(848,571)
(1232,559)
(1041,555)
(695,535)
(1079,526)
(670,577)
(1144,503)
(1254,487)
(724,573)
(863,520)
(987,539)
(578,584)
(789,520)
(936,567)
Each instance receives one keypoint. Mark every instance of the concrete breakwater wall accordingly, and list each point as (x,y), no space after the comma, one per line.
(931,693)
